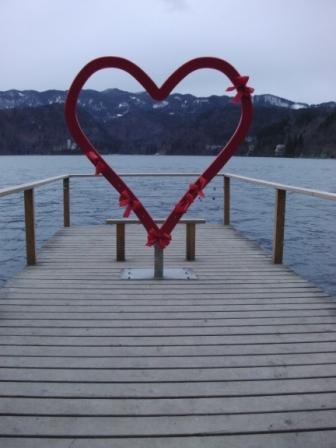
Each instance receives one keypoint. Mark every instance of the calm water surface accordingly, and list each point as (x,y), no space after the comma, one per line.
(310,243)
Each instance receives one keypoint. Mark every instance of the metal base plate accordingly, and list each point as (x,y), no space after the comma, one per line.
(148,274)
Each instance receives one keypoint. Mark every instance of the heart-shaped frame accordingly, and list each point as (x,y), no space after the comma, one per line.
(159,235)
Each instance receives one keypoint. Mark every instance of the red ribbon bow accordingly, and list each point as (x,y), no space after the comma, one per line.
(195,190)
(242,88)
(158,237)
(197,187)
(128,201)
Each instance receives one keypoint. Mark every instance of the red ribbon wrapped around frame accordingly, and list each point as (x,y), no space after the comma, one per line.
(241,87)
(195,190)
(156,236)
(131,203)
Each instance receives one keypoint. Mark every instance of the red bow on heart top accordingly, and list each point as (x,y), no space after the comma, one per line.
(241,87)
(159,235)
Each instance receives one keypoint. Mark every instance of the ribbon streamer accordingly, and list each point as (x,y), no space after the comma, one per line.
(158,237)
(241,87)
(194,191)
(126,200)
(197,187)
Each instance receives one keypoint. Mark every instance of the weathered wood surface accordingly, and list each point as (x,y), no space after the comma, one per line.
(245,356)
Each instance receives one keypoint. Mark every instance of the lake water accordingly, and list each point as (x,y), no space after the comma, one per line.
(310,242)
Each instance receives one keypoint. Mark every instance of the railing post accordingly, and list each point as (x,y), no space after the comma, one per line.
(30,226)
(66,201)
(226,201)
(279,226)
(158,262)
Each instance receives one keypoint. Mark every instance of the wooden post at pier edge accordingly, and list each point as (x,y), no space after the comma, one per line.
(158,262)
(226,201)
(66,201)
(30,226)
(279,226)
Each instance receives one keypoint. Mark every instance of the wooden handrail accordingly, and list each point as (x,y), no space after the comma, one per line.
(163,174)
(279,209)
(289,188)
(30,186)
(263,183)
(29,209)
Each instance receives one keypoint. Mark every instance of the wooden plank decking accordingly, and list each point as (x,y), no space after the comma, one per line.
(242,357)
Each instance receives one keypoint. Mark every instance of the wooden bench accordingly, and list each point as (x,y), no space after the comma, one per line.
(190,234)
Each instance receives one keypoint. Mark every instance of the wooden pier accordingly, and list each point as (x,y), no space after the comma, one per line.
(244,356)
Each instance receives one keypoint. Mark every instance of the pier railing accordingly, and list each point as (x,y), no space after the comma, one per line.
(279,204)
(29,209)
(279,207)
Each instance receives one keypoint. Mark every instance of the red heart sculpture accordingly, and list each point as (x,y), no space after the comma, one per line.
(159,235)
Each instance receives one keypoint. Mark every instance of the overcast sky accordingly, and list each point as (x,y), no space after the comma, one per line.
(287,47)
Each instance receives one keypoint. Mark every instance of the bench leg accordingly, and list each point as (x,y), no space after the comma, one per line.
(120,241)
(190,241)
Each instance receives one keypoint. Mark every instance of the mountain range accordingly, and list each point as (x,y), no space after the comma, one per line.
(116,121)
